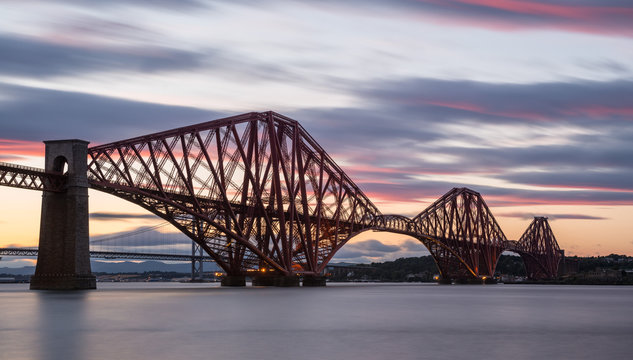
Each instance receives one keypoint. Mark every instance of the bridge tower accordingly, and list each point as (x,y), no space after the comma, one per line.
(63,262)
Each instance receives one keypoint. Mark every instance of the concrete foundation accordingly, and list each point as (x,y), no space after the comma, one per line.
(63,282)
(276,280)
(233,280)
(287,281)
(264,280)
(314,281)
(469,281)
(63,261)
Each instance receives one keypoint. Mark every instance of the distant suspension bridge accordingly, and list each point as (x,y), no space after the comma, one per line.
(145,243)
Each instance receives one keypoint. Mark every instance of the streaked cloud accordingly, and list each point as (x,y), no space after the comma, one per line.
(160,4)
(120,216)
(588,16)
(17,262)
(372,250)
(551,217)
(23,56)
(38,114)
(499,102)
(17,150)
(531,143)
(140,239)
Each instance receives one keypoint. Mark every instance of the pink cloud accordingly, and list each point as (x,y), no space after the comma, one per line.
(482,110)
(599,111)
(586,187)
(536,8)
(569,109)
(512,200)
(15,149)
(517,15)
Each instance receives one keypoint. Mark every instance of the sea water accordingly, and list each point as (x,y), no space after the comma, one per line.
(130,321)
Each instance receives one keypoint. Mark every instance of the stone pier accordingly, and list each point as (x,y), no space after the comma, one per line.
(233,280)
(314,280)
(63,262)
(276,280)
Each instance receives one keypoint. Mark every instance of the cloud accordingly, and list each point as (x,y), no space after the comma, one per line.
(366,248)
(501,197)
(16,150)
(608,65)
(430,118)
(559,142)
(120,216)
(141,239)
(88,45)
(14,245)
(179,5)
(575,217)
(33,57)
(411,245)
(374,246)
(80,30)
(404,144)
(619,180)
(375,251)
(36,114)
(494,102)
(589,16)
(17,262)
(551,217)
(602,17)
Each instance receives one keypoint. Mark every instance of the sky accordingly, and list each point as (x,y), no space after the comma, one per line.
(529,103)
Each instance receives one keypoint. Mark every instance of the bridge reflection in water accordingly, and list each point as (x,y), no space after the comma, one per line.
(259,195)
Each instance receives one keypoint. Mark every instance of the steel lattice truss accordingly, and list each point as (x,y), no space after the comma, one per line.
(461,234)
(256,191)
(540,251)
(253,190)
(30,178)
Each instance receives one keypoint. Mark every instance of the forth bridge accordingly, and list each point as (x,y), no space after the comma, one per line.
(259,195)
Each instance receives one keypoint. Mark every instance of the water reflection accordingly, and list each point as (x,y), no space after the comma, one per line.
(61,325)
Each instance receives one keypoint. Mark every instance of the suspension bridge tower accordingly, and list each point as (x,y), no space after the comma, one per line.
(63,261)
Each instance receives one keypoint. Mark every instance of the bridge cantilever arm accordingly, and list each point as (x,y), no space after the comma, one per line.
(26,177)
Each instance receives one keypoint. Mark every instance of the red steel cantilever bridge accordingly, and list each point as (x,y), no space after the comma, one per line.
(258,193)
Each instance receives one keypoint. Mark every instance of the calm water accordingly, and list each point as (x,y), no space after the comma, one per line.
(380,321)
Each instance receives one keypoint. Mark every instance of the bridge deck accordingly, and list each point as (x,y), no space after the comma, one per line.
(113,255)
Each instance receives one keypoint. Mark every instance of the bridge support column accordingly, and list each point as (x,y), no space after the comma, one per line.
(313,280)
(276,280)
(264,280)
(63,261)
(287,281)
(233,280)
